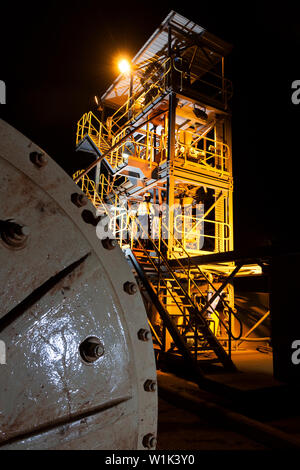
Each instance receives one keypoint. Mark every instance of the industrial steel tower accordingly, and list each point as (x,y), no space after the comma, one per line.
(163,178)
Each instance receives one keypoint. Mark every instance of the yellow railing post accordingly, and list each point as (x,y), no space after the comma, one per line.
(89,121)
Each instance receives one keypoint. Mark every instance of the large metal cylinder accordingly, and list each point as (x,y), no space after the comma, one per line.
(75,339)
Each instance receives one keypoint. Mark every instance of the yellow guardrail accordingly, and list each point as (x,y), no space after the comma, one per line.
(124,227)
(90,125)
(98,198)
(122,221)
(209,153)
(192,230)
(153,144)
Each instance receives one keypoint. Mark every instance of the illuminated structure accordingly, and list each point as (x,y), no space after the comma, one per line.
(165,129)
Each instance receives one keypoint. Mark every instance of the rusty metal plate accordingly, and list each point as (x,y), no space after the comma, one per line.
(79,360)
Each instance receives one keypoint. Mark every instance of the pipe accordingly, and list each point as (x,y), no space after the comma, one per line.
(254,326)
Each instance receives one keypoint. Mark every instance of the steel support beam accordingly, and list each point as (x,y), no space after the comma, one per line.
(242,257)
(170,161)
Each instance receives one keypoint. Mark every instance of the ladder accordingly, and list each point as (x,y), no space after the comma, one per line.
(167,288)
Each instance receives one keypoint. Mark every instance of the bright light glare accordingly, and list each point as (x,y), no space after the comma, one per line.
(124,66)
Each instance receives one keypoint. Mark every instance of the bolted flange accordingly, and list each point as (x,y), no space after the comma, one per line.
(91,349)
(130,288)
(149,441)
(38,159)
(70,289)
(13,234)
(109,243)
(150,385)
(144,335)
(79,200)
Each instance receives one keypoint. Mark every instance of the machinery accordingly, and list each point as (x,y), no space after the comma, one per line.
(140,256)
(165,131)
(77,365)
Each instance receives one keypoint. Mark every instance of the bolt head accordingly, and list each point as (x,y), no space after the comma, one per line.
(79,200)
(89,217)
(130,288)
(149,441)
(38,159)
(91,349)
(25,230)
(144,335)
(109,244)
(13,234)
(99,350)
(150,385)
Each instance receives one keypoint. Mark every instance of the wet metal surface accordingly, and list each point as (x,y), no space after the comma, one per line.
(61,288)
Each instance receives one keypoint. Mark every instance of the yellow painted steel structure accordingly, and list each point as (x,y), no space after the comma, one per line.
(165,128)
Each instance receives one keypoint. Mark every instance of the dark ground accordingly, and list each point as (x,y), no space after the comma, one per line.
(179,429)
(249,417)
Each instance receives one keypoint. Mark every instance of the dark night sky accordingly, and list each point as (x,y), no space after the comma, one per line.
(55,56)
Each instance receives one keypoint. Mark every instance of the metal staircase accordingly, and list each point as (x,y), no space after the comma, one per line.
(170,289)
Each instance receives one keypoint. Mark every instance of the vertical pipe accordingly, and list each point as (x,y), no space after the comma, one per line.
(154,141)
(170,161)
(89,128)
(228,140)
(130,111)
(229,336)
(169,81)
(148,148)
